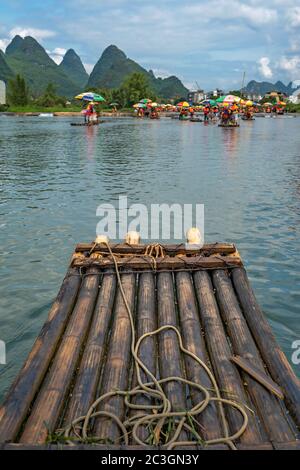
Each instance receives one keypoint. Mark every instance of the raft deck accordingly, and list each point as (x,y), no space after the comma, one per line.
(83,349)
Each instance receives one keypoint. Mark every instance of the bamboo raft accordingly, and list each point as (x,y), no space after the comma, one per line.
(228,126)
(92,123)
(83,349)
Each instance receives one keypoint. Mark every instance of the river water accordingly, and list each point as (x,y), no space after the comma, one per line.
(53,177)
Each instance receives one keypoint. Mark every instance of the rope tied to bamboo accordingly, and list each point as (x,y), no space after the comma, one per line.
(157,415)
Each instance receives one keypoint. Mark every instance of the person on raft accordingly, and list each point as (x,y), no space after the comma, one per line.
(183,113)
(206,112)
(192,112)
(154,113)
(90,114)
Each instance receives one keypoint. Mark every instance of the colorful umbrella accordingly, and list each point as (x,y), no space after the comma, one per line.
(210,102)
(89,96)
(232,99)
(114,104)
(145,101)
(183,104)
(139,105)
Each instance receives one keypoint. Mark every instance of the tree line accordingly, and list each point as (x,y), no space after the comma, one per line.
(134,88)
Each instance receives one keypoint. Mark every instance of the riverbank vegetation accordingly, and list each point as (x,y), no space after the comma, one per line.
(131,91)
(133,88)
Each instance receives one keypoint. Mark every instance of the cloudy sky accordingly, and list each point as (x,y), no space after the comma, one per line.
(209,41)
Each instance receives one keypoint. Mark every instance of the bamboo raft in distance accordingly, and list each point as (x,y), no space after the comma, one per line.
(96,123)
(228,126)
(83,349)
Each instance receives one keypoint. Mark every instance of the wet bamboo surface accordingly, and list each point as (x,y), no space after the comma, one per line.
(84,349)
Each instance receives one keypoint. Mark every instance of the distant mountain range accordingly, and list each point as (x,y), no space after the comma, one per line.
(261,88)
(25,56)
(113,67)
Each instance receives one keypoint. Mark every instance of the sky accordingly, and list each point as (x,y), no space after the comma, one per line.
(209,42)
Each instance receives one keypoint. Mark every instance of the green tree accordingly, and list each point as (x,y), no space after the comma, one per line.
(236,93)
(136,87)
(17,91)
(50,98)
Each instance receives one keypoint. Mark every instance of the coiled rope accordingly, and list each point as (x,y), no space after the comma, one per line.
(158,415)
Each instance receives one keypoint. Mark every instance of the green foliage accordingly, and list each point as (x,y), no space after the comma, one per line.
(50,99)
(136,87)
(293,108)
(5,71)
(3,107)
(133,89)
(236,93)
(266,99)
(17,91)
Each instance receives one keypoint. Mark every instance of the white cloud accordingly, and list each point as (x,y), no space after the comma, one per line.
(57,54)
(59,51)
(290,65)
(4,43)
(36,33)
(264,67)
(233,9)
(293,16)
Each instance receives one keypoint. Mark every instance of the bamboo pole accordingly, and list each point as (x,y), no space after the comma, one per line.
(166,263)
(194,342)
(227,376)
(48,405)
(117,366)
(273,356)
(87,379)
(267,405)
(170,362)
(146,321)
(170,249)
(16,405)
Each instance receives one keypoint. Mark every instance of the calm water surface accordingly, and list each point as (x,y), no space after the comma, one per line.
(53,177)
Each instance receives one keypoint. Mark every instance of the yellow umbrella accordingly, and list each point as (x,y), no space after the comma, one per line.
(249,103)
(183,104)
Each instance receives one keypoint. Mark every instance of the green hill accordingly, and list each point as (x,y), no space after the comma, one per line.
(73,68)
(5,71)
(29,59)
(113,67)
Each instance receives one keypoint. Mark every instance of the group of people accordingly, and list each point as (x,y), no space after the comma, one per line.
(149,112)
(186,112)
(211,113)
